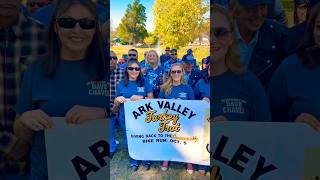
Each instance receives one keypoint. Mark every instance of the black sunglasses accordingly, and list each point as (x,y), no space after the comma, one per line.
(177,71)
(113,57)
(32,4)
(134,55)
(69,23)
(173,54)
(220,32)
(133,68)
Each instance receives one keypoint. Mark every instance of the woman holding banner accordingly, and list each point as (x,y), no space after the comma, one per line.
(238,95)
(133,87)
(294,88)
(176,88)
(62,83)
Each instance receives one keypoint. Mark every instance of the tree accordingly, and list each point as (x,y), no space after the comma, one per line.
(178,22)
(151,39)
(132,27)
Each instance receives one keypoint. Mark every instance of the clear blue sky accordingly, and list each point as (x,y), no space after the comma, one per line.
(118,8)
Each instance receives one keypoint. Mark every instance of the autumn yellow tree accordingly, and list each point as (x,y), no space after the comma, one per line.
(178,22)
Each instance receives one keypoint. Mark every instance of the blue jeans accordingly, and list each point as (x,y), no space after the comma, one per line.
(113,145)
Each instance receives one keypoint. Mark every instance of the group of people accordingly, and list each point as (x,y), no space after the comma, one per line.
(44,70)
(164,77)
(263,70)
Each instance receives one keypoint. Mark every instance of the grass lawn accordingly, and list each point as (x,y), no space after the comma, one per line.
(120,167)
(199,52)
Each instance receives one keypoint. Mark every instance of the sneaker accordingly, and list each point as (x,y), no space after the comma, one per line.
(189,168)
(164,165)
(134,168)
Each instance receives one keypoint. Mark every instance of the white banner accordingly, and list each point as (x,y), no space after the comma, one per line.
(264,151)
(77,151)
(173,130)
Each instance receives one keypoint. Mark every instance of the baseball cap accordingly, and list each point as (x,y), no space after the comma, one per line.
(188,59)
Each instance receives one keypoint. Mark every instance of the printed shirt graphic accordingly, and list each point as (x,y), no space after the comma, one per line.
(184,92)
(240,98)
(131,89)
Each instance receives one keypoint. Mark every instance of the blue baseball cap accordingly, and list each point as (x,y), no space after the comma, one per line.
(189,51)
(252,3)
(188,59)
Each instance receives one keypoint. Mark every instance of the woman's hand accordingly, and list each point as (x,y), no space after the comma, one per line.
(120,100)
(310,120)
(36,120)
(136,97)
(79,114)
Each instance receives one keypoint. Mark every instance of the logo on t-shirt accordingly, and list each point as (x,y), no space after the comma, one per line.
(97,88)
(182,95)
(233,105)
(140,89)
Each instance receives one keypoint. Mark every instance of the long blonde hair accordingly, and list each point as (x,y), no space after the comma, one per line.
(167,86)
(233,62)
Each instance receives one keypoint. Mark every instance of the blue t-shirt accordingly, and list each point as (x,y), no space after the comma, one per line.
(182,91)
(294,89)
(154,77)
(239,98)
(202,89)
(70,86)
(131,89)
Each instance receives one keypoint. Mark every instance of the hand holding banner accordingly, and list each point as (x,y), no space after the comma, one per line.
(77,151)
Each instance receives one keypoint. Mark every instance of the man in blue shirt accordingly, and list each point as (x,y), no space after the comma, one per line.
(192,75)
(165,57)
(173,59)
(262,43)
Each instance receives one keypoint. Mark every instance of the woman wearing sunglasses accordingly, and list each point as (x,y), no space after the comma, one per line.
(133,87)
(51,87)
(176,88)
(238,95)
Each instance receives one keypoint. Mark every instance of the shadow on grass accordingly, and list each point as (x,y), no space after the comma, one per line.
(120,167)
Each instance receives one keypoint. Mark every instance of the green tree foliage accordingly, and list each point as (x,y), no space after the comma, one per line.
(178,22)
(132,27)
(151,39)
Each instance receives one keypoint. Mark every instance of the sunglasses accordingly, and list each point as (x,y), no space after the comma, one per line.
(167,49)
(177,71)
(33,4)
(220,32)
(113,57)
(133,68)
(134,55)
(174,54)
(69,23)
